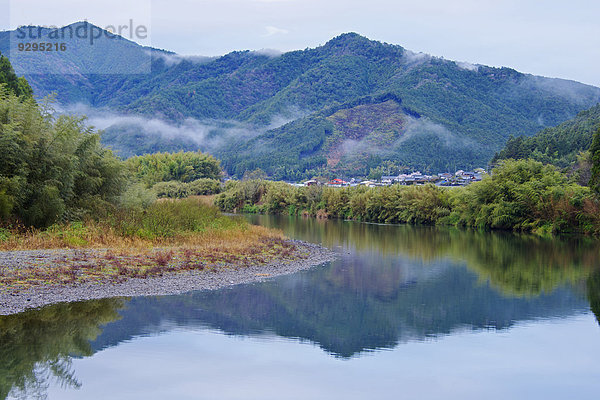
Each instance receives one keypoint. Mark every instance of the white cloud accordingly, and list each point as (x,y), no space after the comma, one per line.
(268,52)
(467,65)
(208,134)
(415,58)
(172,58)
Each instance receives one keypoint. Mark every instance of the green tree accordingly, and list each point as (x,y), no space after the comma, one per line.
(52,168)
(254,175)
(595,156)
(17,85)
(182,166)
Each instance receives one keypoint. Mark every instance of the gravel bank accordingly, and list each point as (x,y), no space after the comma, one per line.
(169,284)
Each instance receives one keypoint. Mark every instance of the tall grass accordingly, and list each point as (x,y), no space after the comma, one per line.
(164,223)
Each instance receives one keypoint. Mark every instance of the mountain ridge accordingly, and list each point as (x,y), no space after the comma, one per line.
(466,111)
(559,145)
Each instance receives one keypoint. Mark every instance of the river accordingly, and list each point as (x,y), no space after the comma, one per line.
(405,312)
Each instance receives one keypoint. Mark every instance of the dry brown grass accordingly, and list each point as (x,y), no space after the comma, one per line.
(170,236)
(123,258)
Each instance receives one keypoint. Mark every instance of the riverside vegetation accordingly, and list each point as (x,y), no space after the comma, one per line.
(60,188)
(523,195)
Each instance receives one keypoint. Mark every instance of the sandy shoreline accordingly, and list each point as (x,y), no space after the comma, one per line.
(168,284)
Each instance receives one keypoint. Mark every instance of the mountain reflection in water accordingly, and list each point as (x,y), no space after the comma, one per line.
(391,285)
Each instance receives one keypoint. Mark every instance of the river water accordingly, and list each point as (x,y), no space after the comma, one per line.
(406,312)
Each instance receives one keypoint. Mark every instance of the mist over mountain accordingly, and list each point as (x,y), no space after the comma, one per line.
(345,107)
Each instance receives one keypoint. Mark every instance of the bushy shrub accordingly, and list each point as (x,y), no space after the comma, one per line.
(52,168)
(180,190)
(205,186)
(137,197)
(171,190)
(239,193)
(172,217)
(182,166)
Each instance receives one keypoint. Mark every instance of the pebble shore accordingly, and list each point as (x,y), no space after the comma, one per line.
(168,284)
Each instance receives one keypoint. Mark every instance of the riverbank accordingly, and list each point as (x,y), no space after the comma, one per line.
(176,279)
(521,196)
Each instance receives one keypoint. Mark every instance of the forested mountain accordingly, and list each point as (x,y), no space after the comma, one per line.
(76,71)
(343,107)
(559,145)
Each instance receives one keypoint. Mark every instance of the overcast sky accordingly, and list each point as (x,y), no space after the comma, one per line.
(553,38)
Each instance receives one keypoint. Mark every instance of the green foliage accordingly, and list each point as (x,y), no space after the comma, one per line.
(164,219)
(182,166)
(280,158)
(52,168)
(595,158)
(171,189)
(180,190)
(16,85)
(241,193)
(4,234)
(525,195)
(205,186)
(386,168)
(137,197)
(522,195)
(255,174)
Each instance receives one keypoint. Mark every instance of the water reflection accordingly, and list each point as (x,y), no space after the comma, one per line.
(593,293)
(392,284)
(37,346)
(517,264)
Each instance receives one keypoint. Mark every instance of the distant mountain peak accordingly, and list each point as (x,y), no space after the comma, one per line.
(87,28)
(84,22)
(354,43)
(350,39)
(349,36)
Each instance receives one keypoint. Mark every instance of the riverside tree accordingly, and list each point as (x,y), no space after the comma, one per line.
(52,168)
(595,157)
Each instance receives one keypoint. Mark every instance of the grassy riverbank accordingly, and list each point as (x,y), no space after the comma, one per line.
(167,237)
(522,195)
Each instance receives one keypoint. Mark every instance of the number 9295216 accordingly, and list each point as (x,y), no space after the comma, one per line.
(43,46)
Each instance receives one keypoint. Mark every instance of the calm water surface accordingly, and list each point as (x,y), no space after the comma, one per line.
(404,313)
